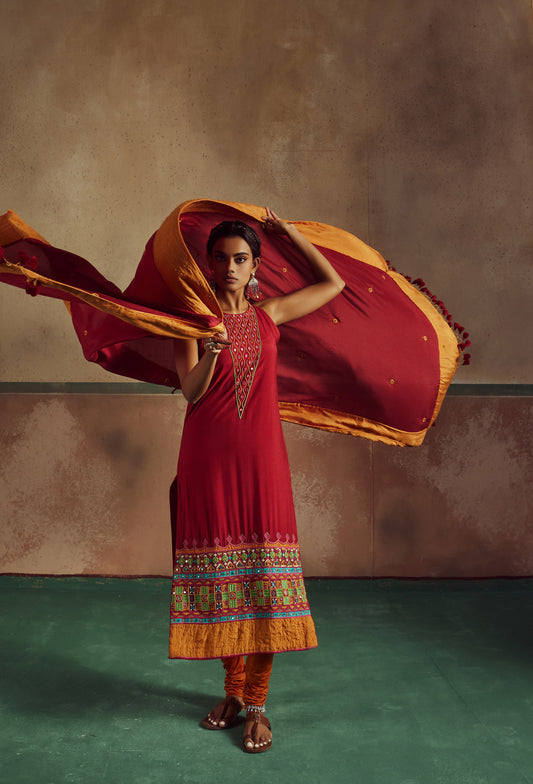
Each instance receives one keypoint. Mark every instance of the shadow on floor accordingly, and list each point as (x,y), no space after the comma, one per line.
(59,686)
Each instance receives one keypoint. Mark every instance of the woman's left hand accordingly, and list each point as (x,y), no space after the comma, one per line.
(297,304)
(273,223)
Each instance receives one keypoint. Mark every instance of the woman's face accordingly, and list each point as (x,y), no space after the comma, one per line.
(232,263)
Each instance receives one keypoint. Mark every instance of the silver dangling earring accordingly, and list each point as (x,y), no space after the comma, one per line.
(252,288)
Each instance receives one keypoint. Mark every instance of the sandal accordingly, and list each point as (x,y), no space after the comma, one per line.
(230,709)
(257,719)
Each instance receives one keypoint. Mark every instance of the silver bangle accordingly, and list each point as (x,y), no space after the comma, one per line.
(258,708)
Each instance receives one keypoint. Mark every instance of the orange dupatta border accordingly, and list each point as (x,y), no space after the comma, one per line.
(13,228)
(182,275)
(169,246)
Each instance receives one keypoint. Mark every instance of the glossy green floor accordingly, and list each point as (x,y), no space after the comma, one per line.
(412,683)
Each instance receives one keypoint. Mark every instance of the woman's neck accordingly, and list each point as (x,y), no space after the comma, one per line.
(233,304)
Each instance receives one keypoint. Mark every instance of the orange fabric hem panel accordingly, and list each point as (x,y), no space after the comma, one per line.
(236,638)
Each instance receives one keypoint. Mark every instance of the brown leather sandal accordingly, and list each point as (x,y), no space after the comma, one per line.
(233,707)
(258,718)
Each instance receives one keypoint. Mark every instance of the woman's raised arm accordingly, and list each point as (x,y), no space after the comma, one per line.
(300,303)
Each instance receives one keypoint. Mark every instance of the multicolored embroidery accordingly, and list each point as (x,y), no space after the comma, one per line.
(245,350)
(244,582)
(242,560)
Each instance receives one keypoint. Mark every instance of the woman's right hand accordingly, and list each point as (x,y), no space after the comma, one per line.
(195,373)
(215,343)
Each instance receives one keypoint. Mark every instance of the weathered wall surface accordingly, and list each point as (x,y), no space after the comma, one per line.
(407,122)
(85,490)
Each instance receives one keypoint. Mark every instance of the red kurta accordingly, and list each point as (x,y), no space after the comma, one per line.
(238,585)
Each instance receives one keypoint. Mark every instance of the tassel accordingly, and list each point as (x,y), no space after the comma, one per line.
(32,287)
(24,260)
(459,330)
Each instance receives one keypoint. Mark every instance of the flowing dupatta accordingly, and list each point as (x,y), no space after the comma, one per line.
(375,362)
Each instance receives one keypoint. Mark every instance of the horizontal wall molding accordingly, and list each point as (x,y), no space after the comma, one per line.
(140,388)
(82,388)
(491,390)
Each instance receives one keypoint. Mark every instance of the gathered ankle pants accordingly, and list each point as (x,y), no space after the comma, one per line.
(248,679)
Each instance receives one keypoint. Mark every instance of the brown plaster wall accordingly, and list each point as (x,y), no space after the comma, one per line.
(460,506)
(86,478)
(407,122)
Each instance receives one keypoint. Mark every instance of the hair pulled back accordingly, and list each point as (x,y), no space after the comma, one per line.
(235,228)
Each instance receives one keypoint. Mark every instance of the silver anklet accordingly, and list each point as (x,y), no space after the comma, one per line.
(258,708)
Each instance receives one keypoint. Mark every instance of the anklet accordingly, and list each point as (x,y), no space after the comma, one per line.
(258,708)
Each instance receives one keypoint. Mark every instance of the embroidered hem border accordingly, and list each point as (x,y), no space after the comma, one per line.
(238,583)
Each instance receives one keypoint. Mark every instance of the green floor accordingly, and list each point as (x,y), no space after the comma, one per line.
(412,683)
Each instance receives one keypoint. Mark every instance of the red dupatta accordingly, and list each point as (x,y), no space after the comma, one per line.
(374,362)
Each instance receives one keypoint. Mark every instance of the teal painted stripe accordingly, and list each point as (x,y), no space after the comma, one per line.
(139,388)
(491,390)
(82,388)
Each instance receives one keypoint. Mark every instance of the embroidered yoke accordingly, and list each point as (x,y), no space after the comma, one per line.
(238,585)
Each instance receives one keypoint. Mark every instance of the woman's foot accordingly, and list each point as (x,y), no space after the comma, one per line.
(224,715)
(257,732)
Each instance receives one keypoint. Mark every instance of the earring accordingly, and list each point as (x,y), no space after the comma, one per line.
(252,288)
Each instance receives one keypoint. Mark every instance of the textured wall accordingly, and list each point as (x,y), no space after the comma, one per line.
(408,122)
(85,490)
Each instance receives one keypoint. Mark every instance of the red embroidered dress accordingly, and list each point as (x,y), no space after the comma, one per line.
(238,585)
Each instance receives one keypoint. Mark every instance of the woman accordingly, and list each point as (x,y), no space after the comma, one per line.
(238,587)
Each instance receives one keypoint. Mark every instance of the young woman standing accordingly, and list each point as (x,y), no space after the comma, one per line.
(238,589)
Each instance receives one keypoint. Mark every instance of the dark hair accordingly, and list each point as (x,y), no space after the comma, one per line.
(235,228)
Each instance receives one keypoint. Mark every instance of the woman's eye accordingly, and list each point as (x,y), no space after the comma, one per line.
(240,259)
